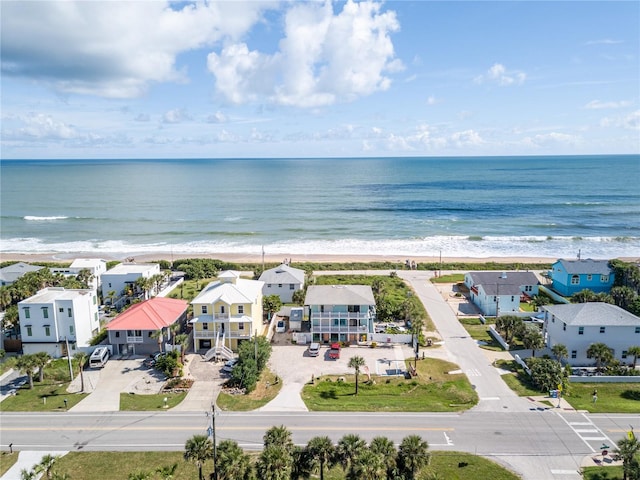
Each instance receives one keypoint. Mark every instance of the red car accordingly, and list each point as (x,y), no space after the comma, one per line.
(334,353)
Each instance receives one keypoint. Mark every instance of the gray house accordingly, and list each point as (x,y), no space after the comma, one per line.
(283,281)
(498,293)
(11,273)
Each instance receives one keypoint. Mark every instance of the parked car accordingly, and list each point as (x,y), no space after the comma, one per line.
(280,326)
(314,349)
(334,352)
(228,367)
(380,328)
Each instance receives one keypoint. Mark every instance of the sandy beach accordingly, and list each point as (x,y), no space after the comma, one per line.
(256,258)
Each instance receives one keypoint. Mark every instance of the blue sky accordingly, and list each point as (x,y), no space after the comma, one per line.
(153,79)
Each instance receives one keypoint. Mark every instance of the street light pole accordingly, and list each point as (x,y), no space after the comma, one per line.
(213,441)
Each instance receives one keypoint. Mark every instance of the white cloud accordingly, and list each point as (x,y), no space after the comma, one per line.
(324,57)
(500,75)
(628,122)
(604,41)
(142,117)
(431,100)
(551,139)
(112,49)
(597,104)
(40,126)
(217,117)
(177,115)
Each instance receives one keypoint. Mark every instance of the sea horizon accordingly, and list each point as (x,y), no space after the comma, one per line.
(501,206)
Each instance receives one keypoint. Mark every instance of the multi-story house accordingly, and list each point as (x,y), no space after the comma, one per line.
(123,277)
(344,313)
(579,325)
(500,293)
(227,311)
(94,266)
(572,276)
(55,318)
(145,327)
(283,281)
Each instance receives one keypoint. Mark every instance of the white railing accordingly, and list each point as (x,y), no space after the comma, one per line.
(135,339)
(340,316)
(228,334)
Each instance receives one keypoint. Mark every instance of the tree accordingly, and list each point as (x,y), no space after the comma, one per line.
(298,297)
(348,448)
(231,462)
(46,465)
(413,455)
(368,466)
(174,329)
(623,297)
(159,336)
(356,362)
(258,349)
(628,449)
(321,450)
(167,471)
(85,277)
(182,339)
(111,294)
(546,374)
(385,447)
(81,358)
(635,351)
(28,474)
(41,360)
(560,351)
(271,304)
(198,449)
(601,353)
(583,296)
(274,463)
(533,340)
(278,437)
(303,465)
(27,365)
(508,324)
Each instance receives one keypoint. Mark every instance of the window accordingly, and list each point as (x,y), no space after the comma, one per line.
(27,313)
(553,320)
(205,326)
(150,333)
(241,309)
(61,309)
(29,331)
(602,329)
(580,330)
(279,285)
(204,309)
(292,286)
(117,334)
(241,326)
(47,330)
(69,312)
(604,278)
(564,326)
(513,298)
(353,308)
(574,354)
(95,316)
(94,299)
(45,312)
(71,329)
(589,277)
(624,354)
(109,284)
(575,279)
(129,333)
(268,285)
(637,329)
(138,333)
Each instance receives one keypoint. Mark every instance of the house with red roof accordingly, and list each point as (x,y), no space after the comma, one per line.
(132,332)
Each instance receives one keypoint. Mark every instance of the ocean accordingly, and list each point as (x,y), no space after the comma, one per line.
(455,207)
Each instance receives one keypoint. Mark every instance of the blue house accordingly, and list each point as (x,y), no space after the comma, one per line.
(572,276)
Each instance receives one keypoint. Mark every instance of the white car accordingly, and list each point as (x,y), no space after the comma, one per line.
(380,328)
(280,326)
(228,367)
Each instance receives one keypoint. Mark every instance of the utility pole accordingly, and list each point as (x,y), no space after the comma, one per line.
(212,431)
(66,340)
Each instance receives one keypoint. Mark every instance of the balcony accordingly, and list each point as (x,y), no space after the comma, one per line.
(239,334)
(135,339)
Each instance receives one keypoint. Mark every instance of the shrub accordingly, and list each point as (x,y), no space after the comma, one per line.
(374,344)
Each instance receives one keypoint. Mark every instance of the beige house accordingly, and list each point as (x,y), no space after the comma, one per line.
(226,312)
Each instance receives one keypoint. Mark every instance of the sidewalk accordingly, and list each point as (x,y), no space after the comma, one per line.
(26,460)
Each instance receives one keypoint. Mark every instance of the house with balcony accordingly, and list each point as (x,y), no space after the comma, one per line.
(572,276)
(122,279)
(500,293)
(132,332)
(58,321)
(579,325)
(340,313)
(94,266)
(226,312)
(283,281)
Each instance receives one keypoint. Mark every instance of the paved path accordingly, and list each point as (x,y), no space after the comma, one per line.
(26,461)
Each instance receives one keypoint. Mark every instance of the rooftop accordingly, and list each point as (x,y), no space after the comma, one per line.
(153,314)
(592,314)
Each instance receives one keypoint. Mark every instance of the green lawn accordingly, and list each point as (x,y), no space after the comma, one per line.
(266,390)
(138,403)
(453,278)
(433,390)
(7,460)
(46,397)
(480,332)
(188,289)
(613,472)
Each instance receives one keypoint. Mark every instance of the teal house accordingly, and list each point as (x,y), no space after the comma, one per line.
(572,276)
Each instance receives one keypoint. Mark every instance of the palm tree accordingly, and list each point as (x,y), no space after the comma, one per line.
(81,358)
(627,449)
(635,351)
(182,339)
(85,277)
(560,351)
(303,465)
(198,449)
(368,466)
(232,463)
(385,447)
(356,362)
(41,359)
(274,463)
(168,471)
(278,437)
(111,294)
(28,474)
(413,455)
(321,450)
(508,324)
(159,336)
(348,448)
(533,340)
(601,353)
(27,365)
(174,328)
(46,465)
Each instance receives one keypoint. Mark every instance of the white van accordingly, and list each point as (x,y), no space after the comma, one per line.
(99,357)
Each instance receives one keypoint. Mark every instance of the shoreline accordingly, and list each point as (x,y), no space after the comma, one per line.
(270,258)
